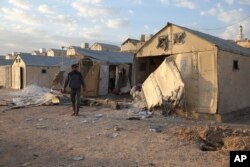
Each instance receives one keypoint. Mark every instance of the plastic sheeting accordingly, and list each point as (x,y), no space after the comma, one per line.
(104,80)
(32,95)
(163,85)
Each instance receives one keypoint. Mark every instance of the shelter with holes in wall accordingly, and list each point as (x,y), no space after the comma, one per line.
(215,71)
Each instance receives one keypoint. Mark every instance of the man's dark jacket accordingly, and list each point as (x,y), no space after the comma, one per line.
(74,79)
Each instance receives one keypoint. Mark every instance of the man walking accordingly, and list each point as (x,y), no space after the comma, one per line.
(75,81)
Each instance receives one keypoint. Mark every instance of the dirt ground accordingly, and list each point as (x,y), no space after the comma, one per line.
(102,137)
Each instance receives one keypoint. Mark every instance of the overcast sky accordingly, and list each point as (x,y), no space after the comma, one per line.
(27,25)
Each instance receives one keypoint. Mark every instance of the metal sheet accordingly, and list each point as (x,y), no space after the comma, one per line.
(47,61)
(162,83)
(92,81)
(106,56)
(152,92)
(104,80)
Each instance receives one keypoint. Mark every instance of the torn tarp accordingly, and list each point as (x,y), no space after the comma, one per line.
(33,95)
(164,86)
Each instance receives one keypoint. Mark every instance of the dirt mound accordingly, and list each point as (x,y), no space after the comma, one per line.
(217,138)
(236,143)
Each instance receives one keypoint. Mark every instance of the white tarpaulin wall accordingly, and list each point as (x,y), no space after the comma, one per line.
(104,80)
(165,83)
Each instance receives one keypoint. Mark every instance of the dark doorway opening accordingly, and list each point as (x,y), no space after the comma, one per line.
(146,65)
(112,77)
(21,78)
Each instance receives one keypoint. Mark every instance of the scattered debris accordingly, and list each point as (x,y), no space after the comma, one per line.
(115,106)
(34,95)
(38,126)
(156,128)
(133,118)
(116,128)
(36,155)
(138,109)
(151,164)
(136,92)
(99,116)
(145,114)
(78,158)
(137,114)
(90,102)
(126,88)
(55,100)
(95,104)
(115,135)
(207,147)
(84,121)
(26,164)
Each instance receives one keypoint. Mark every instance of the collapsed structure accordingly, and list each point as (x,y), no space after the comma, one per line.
(211,72)
(215,72)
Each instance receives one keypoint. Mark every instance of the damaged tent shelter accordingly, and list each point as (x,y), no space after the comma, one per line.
(212,72)
(104,71)
(5,72)
(29,69)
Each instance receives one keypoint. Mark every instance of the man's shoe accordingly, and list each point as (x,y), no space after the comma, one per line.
(73,114)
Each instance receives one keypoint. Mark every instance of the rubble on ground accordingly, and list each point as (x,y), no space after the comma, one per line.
(78,158)
(90,102)
(155,128)
(154,93)
(215,138)
(34,95)
(138,108)
(115,106)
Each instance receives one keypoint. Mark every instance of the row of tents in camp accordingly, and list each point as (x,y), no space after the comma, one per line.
(96,66)
(211,73)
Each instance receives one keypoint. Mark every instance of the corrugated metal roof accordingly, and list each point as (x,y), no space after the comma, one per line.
(4,62)
(220,43)
(46,61)
(106,56)
(107,45)
(57,50)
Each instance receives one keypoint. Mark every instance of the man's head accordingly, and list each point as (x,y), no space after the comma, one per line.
(74,67)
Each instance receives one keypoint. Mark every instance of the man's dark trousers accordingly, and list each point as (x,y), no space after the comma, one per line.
(75,98)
